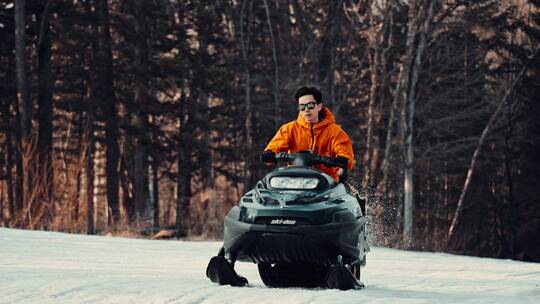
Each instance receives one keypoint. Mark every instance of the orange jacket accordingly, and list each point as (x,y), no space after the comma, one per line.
(324,138)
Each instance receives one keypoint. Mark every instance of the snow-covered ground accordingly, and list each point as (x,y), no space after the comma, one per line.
(46,267)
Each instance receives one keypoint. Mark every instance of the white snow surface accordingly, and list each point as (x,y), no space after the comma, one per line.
(49,267)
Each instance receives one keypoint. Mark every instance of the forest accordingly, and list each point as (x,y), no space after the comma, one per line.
(127,117)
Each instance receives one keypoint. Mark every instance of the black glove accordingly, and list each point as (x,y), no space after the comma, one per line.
(268,157)
(342,161)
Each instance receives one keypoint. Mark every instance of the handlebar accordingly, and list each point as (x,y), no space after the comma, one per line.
(308,159)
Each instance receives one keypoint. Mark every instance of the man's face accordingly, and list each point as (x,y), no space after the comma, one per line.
(308,107)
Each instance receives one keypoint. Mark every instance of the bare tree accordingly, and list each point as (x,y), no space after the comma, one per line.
(277,106)
(376,57)
(245,46)
(155,192)
(90,150)
(9,169)
(23,101)
(184,175)
(105,91)
(410,101)
(140,176)
(45,106)
(400,98)
(481,140)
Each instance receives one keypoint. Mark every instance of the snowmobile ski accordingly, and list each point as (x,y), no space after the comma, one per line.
(340,277)
(220,271)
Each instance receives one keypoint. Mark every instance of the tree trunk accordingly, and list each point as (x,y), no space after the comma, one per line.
(184,172)
(375,161)
(284,42)
(19,201)
(8,157)
(374,68)
(408,186)
(385,164)
(23,91)
(325,73)
(400,98)
(375,109)
(90,224)
(277,106)
(23,101)
(306,34)
(9,178)
(510,218)
(244,43)
(45,103)
(2,206)
(201,84)
(82,145)
(124,183)
(105,92)
(140,177)
(74,212)
(140,180)
(374,64)
(183,194)
(155,192)
(410,98)
(207,155)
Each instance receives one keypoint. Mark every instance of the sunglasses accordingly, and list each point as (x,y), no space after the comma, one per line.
(310,106)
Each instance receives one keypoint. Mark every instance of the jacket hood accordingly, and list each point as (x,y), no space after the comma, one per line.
(328,118)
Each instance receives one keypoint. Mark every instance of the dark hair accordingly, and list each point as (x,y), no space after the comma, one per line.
(303,91)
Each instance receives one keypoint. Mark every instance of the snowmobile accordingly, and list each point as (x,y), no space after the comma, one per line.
(300,226)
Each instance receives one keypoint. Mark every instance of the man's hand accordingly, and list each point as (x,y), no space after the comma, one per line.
(268,157)
(342,161)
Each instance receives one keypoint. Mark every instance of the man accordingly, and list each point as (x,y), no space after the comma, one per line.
(315,129)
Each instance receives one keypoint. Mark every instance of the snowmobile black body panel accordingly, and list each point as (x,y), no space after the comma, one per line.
(270,244)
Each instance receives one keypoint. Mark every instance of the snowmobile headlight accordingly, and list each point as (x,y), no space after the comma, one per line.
(286,182)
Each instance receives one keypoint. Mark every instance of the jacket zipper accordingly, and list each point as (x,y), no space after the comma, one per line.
(312,138)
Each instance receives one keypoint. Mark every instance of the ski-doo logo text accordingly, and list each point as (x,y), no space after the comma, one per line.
(282,222)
